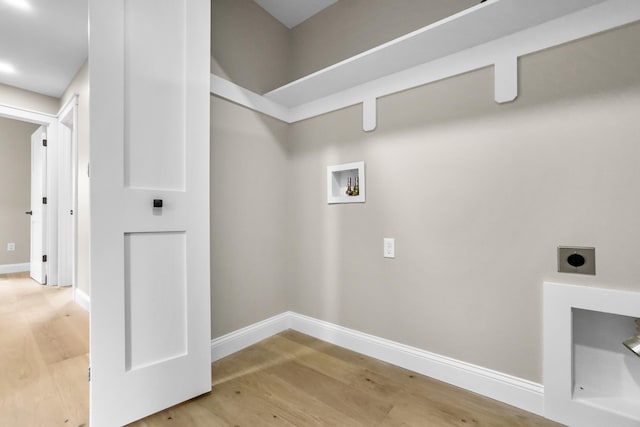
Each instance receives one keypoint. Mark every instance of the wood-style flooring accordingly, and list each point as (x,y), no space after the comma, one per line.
(295,380)
(287,380)
(44,345)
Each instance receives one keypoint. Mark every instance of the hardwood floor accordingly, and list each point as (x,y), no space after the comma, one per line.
(44,345)
(287,380)
(294,380)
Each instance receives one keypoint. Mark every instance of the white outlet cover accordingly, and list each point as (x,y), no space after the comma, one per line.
(389,245)
(11,246)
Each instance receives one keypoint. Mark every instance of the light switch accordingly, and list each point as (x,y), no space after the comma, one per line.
(11,247)
(389,247)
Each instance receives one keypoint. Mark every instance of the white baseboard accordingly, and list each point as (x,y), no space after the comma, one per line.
(514,391)
(245,337)
(82,299)
(14,268)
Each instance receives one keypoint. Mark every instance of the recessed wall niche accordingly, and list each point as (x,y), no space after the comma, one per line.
(606,374)
(346,183)
(590,378)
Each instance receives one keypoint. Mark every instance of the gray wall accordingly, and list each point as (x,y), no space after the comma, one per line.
(349,27)
(478,196)
(248,217)
(15,97)
(248,46)
(15,188)
(80,86)
(248,171)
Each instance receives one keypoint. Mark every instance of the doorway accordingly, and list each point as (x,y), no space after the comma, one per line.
(45,327)
(57,264)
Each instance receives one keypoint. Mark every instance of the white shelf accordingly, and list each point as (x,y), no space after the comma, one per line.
(338,178)
(492,34)
(471,27)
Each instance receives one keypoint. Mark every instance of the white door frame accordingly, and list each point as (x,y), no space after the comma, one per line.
(67,247)
(51,121)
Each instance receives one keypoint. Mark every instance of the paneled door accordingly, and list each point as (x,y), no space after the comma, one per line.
(37,212)
(149,174)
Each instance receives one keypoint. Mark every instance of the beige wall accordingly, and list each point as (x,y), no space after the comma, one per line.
(15,97)
(350,27)
(478,196)
(248,171)
(248,217)
(15,188)
(80,86)
(248,46)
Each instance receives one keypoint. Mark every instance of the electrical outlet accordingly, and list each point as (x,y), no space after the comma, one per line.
(11,247)
(389,247)
(580,260)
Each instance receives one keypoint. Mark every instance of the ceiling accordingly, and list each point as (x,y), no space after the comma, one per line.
(293,12)
(43,43)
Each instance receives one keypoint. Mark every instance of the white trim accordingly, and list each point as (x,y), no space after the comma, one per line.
(591,20)
(245,337)
(68,160)
(506,388)
(232,92)
(50,122)
(514,391)
(82,299)
(26,115)
(71,103)
(14,268)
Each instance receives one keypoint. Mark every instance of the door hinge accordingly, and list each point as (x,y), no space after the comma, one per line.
(44,200)
(44,258)
(44,142)
(89,374)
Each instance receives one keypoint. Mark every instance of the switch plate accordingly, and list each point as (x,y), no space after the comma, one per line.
(11,247)
(577,259)
(389,250)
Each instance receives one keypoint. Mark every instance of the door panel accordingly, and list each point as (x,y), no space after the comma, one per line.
(149,107)
(155,268)
(38,182)
(145,80)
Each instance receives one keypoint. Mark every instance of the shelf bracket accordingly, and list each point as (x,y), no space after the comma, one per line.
(369,114)
(506,79)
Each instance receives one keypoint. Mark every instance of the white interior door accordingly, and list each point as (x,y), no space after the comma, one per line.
(150,304)
(38,185)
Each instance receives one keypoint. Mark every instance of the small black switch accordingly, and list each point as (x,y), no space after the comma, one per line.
(575,260)
(157,203)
